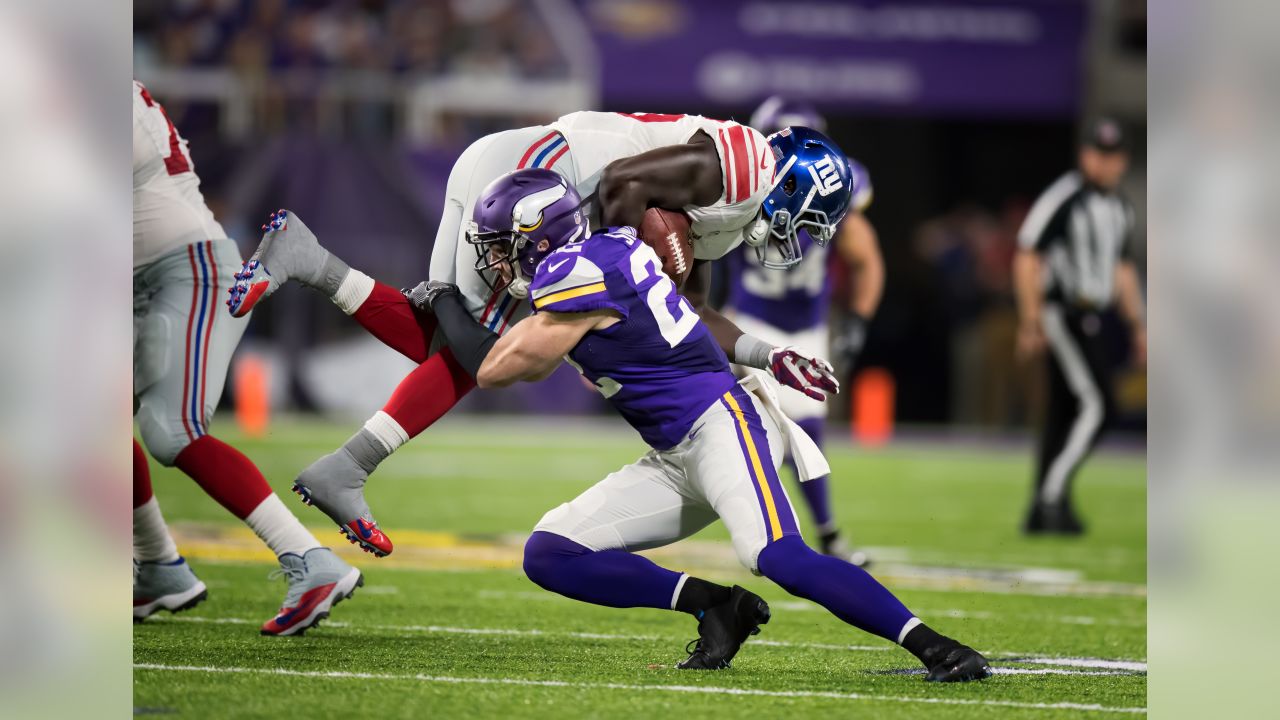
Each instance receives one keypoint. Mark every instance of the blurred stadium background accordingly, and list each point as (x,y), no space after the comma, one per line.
(352,112)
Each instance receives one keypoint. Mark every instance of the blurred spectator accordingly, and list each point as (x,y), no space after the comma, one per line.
(482,37)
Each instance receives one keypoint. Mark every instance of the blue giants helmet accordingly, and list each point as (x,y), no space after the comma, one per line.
(518,220)
(812,192)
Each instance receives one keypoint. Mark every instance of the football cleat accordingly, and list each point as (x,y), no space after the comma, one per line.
(288,251)
(165,586)
(335,485)
(318,580)
(722,630)
(835,546)
(1052,519)
(959,663)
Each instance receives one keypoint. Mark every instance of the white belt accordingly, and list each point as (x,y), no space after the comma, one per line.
(810,462)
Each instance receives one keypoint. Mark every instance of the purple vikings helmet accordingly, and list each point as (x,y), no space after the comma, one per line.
(777,113)
(518,220)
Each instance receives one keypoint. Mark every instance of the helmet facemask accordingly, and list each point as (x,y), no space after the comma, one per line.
(496,251)
(518,220)
(780,248)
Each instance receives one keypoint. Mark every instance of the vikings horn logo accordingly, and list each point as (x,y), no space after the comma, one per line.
(527,214)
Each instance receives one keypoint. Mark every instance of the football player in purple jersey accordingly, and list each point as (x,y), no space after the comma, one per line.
(793,307)
(733,184)
(604,303)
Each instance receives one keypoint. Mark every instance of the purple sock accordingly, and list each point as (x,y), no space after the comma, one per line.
(848,591)
(614,578)
(817,493)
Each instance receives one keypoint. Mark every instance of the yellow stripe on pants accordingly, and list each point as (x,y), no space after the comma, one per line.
(775,527)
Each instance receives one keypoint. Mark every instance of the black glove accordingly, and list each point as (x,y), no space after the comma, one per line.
(424,295)
(469,340)
(849,339)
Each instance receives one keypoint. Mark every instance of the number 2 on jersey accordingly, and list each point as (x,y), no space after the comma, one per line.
(674,326)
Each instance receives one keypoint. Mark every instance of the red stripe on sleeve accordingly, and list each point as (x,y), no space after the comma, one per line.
(493,299)
(529,153)
(738,142)
(507,320)
(755,163)
(563,149)
(726,160)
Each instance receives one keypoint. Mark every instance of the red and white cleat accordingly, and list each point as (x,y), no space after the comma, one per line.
(288,251)
(318,580)
(335,485)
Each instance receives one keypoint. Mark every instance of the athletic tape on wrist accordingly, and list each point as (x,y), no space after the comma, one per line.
(752,352)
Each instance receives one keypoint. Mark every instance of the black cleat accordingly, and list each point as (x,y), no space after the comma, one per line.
(959,663)
(1056,519)
(832,544)
(723,628)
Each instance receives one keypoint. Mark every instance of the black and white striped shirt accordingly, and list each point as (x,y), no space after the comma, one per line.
(1081,232)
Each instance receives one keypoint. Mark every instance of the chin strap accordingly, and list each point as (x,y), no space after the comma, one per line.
(757,233)
(519,288)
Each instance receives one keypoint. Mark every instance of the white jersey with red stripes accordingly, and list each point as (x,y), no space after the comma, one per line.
(596,139)
(168,210)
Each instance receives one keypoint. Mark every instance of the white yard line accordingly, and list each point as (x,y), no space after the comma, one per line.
(444,679)
(1131,666)
(805,606)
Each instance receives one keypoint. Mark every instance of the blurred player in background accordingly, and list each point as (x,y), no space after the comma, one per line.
(734,185)
(605,304)
(1075,262)
(791,307)
(182,259)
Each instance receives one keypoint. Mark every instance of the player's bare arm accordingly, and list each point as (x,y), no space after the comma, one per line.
(860,248)
(1026,288)
(859,245)
(696,289)
(670,177)
(812,376)
(534,348)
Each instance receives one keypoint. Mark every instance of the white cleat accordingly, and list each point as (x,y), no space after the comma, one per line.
(165,586)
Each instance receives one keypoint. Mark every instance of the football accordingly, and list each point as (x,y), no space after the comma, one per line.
(667,233)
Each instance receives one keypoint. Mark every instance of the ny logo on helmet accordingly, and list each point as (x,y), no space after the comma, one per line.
(825,177)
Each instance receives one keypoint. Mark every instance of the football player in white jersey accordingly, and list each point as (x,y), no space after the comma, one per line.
(735,186)
(182,346)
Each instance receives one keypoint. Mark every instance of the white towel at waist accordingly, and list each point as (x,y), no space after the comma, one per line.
(810,463)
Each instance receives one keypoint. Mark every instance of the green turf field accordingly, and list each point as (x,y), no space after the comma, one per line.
(448,626)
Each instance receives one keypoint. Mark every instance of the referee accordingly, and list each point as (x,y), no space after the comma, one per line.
(1075,261)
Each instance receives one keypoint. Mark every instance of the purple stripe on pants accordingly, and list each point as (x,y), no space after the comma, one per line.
(760,439)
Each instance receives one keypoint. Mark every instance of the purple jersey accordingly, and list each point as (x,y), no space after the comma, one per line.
(660,366)
(797,298)
(791,300)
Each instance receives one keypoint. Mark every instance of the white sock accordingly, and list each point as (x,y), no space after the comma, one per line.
(675,594)
(151,539)
(279,529)
(912,624)
(387,431)
(354,290)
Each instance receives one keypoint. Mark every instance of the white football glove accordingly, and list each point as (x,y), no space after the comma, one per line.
(812,376)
